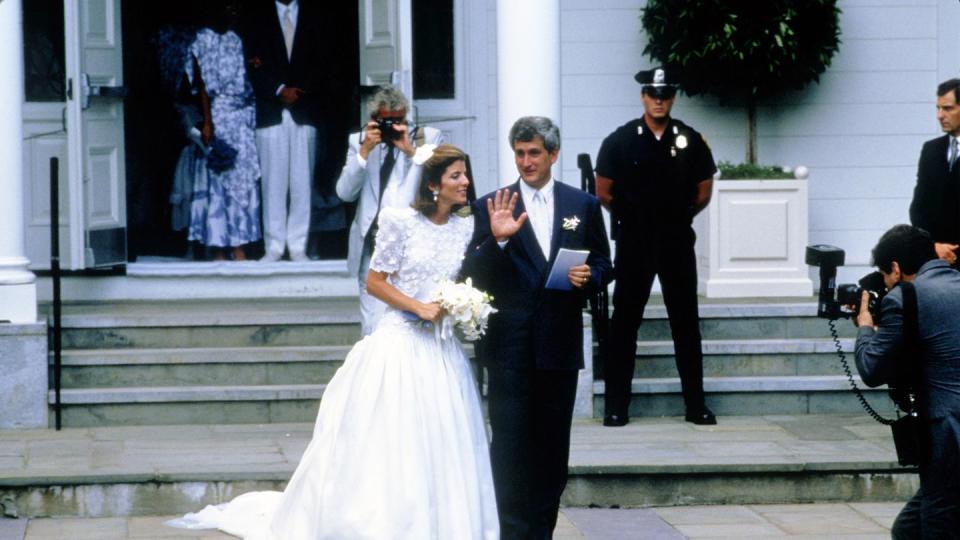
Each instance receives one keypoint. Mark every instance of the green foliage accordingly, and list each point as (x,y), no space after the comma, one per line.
(749,171)
(742,49)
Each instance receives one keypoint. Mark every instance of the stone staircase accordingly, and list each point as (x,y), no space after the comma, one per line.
(201,362)
(268,361)
(168,406)
(764,357)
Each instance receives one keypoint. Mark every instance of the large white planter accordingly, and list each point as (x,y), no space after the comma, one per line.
(751,239)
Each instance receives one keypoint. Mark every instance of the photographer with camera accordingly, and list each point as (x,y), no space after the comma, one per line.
(906,254)
(379,172)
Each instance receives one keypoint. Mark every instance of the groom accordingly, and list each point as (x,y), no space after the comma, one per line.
(533,347)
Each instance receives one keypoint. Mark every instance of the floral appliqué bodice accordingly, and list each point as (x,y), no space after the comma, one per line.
(418,254)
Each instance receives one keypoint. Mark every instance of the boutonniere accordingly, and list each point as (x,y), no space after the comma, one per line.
(571,223)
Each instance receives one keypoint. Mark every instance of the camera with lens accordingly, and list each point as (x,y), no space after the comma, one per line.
(833,298)
(387,133)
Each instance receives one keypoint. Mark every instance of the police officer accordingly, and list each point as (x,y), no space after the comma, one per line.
(655,174)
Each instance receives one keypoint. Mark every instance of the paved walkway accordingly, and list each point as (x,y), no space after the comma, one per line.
(267,451)
(147,454)
(808,521)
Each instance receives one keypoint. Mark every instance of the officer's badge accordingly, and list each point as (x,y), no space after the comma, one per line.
(571,223)
(681,142)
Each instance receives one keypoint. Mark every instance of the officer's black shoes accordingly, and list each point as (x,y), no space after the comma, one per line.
(701,416)
(615,420)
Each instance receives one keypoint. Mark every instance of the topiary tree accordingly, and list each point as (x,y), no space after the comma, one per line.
(743,51)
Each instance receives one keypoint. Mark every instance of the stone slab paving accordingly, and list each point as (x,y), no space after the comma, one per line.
(806,521)
(847,521)
(271,451)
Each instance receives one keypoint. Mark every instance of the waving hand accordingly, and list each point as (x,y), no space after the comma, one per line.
(502,223)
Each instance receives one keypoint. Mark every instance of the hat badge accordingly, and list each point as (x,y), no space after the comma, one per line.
(659,77)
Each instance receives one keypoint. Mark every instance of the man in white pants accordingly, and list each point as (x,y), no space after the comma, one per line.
(379,172)
(285,69)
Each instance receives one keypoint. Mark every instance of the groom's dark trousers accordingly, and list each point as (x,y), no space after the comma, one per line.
(533,351)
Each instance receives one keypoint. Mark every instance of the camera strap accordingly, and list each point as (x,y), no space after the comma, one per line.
(905,390)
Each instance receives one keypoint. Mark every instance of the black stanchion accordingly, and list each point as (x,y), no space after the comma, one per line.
(55,278)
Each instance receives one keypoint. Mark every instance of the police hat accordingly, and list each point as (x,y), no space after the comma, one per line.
(657,82)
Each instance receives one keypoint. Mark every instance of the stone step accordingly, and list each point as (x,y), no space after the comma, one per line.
(130,406)
(738,396)
(738,358)
(170,470)
(336,321)
(113,368)
(303,334)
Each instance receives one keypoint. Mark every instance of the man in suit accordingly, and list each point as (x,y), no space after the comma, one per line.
(533,347)
(936,197)
(293,85)
(906,253)
(379,172)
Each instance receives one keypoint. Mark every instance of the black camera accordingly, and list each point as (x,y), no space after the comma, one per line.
(833,298)
(387,133)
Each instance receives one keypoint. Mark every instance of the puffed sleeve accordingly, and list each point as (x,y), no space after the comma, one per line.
(391,237)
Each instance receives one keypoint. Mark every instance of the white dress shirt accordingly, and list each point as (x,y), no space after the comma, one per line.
(294,8)
(539,206)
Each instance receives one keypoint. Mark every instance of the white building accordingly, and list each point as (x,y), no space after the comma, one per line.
(859,131)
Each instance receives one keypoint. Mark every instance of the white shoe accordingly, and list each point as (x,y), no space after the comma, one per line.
(299,257)
(270,257)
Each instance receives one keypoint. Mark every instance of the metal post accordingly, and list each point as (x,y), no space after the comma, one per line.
(55,277)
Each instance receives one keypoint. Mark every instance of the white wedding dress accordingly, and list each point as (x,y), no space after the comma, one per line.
(399,449)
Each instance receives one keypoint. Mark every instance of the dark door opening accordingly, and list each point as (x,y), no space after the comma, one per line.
(155,136)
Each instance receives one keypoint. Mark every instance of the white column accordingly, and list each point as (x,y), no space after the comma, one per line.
(528,69)
(18,290)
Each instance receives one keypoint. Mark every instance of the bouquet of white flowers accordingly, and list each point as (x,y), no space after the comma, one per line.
(467,309)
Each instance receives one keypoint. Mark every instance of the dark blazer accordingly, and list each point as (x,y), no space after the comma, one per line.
(936,197)
(310,67)
(535,327)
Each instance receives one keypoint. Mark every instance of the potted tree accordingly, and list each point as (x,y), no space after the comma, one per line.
(753,233)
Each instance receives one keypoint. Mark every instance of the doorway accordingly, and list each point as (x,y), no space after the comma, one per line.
(155,136)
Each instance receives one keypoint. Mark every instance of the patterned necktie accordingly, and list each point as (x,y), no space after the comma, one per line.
(953,152)
(288,30)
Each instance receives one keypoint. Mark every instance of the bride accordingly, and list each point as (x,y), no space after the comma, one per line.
(399,449)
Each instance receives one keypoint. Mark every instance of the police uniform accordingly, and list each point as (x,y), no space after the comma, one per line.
(654,187)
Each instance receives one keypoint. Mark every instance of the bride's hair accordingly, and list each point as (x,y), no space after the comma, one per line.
(433,169)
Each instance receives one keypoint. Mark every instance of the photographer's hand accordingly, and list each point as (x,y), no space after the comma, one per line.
(864,317)
(371,138)
(403,141)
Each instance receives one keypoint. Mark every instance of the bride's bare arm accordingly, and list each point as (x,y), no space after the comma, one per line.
(378,287)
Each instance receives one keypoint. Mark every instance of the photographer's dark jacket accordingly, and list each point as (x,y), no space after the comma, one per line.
(654,181)
(936,197)
(938,315)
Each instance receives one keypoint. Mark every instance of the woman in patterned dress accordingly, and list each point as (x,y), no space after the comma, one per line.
(225,214)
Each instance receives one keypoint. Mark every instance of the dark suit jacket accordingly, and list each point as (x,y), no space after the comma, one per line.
(936,197)
(536,327)
(311,66)
(938,314)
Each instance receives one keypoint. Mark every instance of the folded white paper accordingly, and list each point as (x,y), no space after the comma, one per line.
(561,267)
